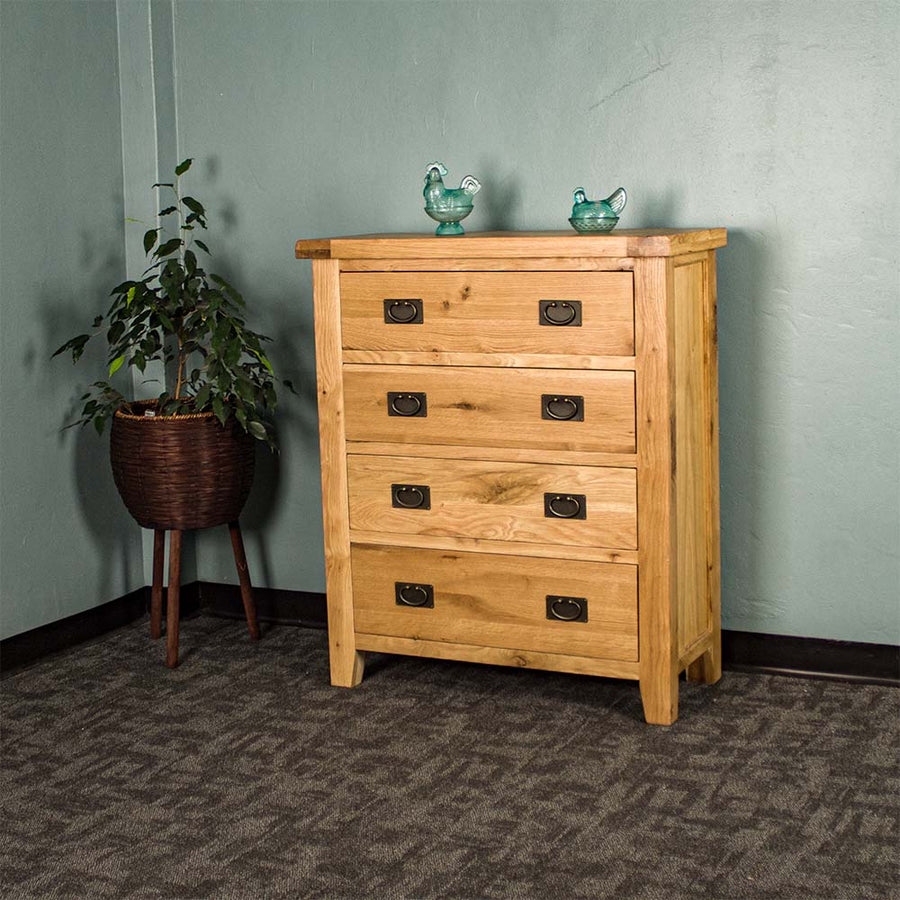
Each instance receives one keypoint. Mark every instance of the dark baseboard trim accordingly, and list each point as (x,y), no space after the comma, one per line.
(742,651)
(779,654)
(30,646)
(304,608)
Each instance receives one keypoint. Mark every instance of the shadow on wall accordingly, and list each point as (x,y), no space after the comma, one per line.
(296,427)
(64,314)
(742,268)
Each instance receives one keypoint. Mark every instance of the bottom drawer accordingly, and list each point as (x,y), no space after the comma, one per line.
(517,602)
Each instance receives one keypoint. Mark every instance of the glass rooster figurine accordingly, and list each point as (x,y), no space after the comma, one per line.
(597,216)
(448,205)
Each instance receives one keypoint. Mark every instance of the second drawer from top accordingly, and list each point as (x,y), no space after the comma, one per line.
(552,409)
(489,312)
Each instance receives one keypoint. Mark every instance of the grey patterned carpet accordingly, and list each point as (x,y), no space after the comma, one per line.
(243,774)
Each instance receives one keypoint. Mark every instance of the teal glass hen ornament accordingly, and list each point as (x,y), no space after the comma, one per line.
(597,216)
(448,205)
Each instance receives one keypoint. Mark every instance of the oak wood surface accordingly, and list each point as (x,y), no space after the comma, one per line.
(490,312)
(499,407)
(691,453)
(495,501)
(483,448)
(499,656)
(642,242)
(479,598)
(482,545)
(654,339)
(708,667)
(346,662)
(485,264)
(504,454)
(505,360)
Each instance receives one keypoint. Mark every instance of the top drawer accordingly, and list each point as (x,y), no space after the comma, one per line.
(588,313)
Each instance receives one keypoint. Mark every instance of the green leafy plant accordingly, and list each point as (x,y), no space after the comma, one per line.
(190,320)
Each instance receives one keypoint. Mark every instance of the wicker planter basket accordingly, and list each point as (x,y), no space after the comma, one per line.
(180,472)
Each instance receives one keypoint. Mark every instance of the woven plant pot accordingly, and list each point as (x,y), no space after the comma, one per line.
(180,472)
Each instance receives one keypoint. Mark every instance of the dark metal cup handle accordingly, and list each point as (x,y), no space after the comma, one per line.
(406,404)
(566,506)
(411,496)
(567,609)
(402,312)
(558,312)
(562,408)
(407,594)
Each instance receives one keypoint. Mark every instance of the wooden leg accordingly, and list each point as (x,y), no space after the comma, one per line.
(708,667)
(659,694)
(156,590)
(240,559)
(173,598)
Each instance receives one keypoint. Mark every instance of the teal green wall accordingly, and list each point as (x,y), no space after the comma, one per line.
(66,543)
(777,120)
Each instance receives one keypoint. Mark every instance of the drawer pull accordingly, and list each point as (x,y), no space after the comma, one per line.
(563,408)
(565,506)
(560,312)
(567,609)
(403,403)
(403,312)
(410,496)
(411,594)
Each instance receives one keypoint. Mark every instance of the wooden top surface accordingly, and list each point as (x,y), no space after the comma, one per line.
(513,244)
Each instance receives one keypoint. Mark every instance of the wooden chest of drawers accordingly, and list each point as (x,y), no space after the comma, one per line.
(520,453)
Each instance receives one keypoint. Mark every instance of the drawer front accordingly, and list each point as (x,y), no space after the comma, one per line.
(568,505)
(489,312)
(497,601)
(491,407)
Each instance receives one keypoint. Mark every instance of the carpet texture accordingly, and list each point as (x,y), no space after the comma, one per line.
(243,774)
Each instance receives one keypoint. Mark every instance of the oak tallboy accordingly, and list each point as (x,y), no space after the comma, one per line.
(519,437)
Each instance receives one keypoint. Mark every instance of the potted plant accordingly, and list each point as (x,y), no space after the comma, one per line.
(185,459)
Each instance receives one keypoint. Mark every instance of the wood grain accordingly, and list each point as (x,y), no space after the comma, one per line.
(648,242)
(654,338)
(490,312)
(708,667)
(499,656)
(505,454)
(346,662)
(481,545)
(491,360)
(691,453)
(479,598)
(502,407)
(495,501)
(485,264)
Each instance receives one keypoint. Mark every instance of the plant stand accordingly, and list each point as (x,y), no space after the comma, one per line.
(174,587)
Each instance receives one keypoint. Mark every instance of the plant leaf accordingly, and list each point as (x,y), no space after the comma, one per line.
(168,247)
(114,367)
(167,211)
(129,297)
(162,184)
(195,206)
(203,246)
(257,430)
(182,167)
(150,239)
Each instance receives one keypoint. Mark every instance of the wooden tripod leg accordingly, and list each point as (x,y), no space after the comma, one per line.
(173,598)
(240,560)
(156,590)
